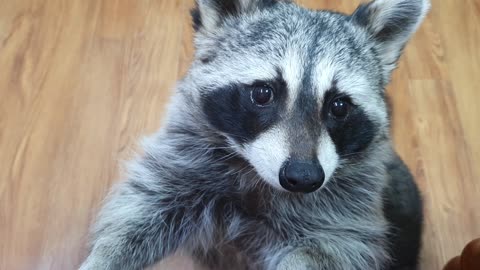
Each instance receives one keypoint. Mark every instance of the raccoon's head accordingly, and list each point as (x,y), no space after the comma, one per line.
(298,93)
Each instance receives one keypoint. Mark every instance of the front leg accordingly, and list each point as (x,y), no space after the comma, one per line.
(334,253)
(136,228)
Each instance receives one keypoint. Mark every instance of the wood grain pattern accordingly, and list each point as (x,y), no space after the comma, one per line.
(82,80)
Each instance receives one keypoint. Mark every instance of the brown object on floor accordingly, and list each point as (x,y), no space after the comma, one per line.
(468,260)
(82,80)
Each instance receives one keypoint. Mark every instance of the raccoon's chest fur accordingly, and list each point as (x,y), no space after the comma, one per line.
(263,223)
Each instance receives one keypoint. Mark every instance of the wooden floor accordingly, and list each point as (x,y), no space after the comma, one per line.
(82,80)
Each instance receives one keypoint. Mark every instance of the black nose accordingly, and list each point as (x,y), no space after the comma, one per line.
(301,176)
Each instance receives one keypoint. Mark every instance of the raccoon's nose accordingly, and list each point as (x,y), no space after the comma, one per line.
(301,176)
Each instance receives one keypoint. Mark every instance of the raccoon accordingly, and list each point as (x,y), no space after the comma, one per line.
(276,152)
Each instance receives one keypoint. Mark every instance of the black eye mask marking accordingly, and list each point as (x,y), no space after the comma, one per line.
(353,133)
(230,109)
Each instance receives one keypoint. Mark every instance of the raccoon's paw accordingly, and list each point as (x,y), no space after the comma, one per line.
(298,260)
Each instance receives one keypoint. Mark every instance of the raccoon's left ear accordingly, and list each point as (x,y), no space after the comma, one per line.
(391,23)
(209,14)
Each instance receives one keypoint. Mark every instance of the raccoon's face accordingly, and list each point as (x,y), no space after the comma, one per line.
(298,93)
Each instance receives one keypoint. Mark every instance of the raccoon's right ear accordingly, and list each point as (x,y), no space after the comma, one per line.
(209,14)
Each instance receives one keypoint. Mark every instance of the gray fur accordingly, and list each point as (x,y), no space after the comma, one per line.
(199,190)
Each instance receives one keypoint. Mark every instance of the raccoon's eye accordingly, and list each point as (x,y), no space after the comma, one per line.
(340,107)
(261,95)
